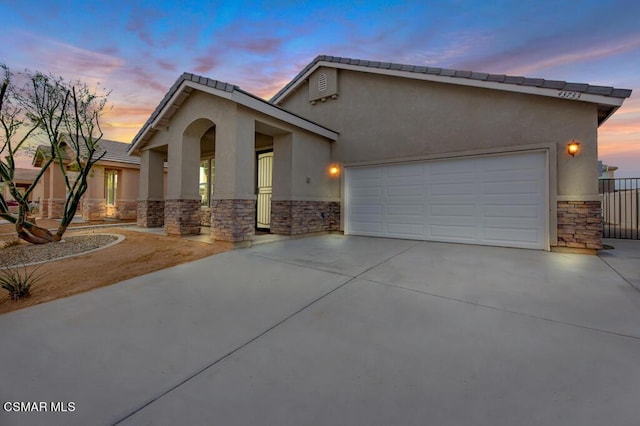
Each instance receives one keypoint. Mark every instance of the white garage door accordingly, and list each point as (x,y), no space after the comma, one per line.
(490,200)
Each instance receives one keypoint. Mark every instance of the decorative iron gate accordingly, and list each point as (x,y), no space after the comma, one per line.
(264,190)
(620,208)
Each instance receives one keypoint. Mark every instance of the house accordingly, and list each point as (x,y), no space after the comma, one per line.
(112,185)
(380,149)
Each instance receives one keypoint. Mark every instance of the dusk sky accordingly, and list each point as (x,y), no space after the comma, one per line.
(137,49)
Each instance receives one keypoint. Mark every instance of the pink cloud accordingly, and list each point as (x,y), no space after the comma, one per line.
(140,22)
(166,65)
(48,55)
(206,63)
(259,45)
(145,79)
(547,53)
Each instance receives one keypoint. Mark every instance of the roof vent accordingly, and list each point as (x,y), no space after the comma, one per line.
(322,82)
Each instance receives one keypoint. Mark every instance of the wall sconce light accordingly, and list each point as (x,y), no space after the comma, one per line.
(573,148)
(334,170)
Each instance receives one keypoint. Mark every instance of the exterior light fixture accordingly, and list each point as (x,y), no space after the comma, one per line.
(573,148)
(334,170)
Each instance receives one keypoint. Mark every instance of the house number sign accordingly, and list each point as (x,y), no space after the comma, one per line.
(569,95)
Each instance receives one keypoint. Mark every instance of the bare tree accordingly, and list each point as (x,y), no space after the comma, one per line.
(68,114)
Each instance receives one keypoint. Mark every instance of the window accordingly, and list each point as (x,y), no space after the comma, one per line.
(207,168)
(111,186)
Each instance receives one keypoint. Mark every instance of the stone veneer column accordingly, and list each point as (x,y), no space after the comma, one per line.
(43,208)
(150,213)
(233,220)
(182,217)
(300,217)
(93,209)
(580,224)
(55,208)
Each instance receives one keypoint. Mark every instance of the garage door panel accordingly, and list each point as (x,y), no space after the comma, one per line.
(367,192)
(508,237)
(405,229)
(498,200)
(452,210)
(404,190)
(456,233)
(406,209)
(406,170)
(369,228)
(368,209)
(452,189)
(515,187)
(511,211)
(453,168)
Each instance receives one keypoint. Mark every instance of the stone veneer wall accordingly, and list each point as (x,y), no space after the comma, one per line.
(205,216)
(233,220)
(55,208)
(126,209)
(580,224)
(182,217)
(300,217)
(150,213)
(93,209)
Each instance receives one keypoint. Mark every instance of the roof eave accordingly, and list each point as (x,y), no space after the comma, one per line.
(454,78)
(185,87)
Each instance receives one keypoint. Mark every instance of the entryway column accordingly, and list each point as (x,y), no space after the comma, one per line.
(57,192)
(233,207)
(151,200)
(93,201)
(182,204)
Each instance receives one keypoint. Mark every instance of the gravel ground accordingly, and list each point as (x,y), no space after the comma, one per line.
(25,253)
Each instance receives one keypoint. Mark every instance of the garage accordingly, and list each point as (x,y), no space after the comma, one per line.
(496,200)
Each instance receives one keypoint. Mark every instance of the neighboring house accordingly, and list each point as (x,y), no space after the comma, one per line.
(23,178)
(380,149)
(112,185)
(605,171)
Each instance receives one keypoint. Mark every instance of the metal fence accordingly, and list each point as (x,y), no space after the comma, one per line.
(620,208)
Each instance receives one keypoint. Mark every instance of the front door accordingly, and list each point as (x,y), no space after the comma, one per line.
(264,190)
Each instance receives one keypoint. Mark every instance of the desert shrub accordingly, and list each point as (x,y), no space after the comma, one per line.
(18,281)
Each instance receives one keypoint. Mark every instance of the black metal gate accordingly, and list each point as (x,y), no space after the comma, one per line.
(620,208)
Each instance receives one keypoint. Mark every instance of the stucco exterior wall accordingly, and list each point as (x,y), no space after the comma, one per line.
(300,170)
(381,118)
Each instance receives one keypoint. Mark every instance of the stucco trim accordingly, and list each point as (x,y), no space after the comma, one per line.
(457,154)
(304,198)
(595,197)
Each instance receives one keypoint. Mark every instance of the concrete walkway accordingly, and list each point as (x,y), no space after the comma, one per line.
(336,330)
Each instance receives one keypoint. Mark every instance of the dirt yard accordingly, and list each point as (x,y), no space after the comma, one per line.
(140,253)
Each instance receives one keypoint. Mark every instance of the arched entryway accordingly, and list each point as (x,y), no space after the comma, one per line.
(184,201)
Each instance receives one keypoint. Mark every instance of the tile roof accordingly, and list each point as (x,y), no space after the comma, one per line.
(216,84)
(114,151)
(496,78)
(117,151)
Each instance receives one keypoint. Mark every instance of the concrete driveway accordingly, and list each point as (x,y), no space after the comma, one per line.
(336,330)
